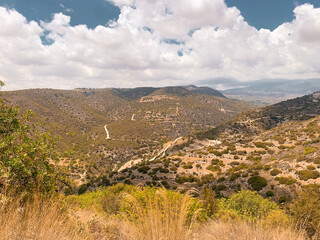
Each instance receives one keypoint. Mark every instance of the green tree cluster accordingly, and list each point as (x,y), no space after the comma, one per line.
(25,154)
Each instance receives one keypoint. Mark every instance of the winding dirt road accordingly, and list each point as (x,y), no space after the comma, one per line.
(107,132)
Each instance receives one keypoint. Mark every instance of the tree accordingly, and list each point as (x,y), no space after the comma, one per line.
(26,155)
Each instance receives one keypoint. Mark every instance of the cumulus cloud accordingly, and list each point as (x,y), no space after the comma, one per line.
(157,42)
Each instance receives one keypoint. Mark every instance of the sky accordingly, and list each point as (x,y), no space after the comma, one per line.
(69,44)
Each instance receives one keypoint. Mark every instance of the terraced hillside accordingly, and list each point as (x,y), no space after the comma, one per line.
(274,150)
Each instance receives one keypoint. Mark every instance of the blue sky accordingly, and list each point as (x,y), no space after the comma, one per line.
(259,13)
(128,43)
(91,13)
(268,13)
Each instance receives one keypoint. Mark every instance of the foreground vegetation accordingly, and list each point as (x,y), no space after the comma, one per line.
(128,212)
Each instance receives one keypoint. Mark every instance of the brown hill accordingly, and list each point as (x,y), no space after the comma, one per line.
(274,150)
(139,120)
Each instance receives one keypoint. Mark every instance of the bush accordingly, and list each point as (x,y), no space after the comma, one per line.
(286,180)
(214,168)
(248,205)
(165,184)
(144,169)
(264,145)
(269,194)
(308,174)
(221,187)
(311,167)
(282,199)
(266,167)
(210,204)
(309,150)
(82,189)
(257,182)
(187,166)
(208,178)
(275,172)
(186,178)
(234,176)
(222,179)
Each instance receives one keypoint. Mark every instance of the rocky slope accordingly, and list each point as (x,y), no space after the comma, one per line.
(274,150)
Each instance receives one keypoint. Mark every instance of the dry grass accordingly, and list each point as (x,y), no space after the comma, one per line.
(162,216)
(241,230)
(158,217)
(214,230)
(39,218)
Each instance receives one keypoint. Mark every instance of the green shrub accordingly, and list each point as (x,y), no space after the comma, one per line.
(234,176)
(82,189)
(165,184)
(208,178)
(311,167)
(257,182)
(269,194)
(186,178)
(214,168)
(210,204)
(221,187)
(144,169)
(282,199)
(266,167)
(309,150)
(264,145)
(217,162)
(286,180)
(308,174)
(187,166)
(248,205)
(222,179)
(275,172)
(128,182)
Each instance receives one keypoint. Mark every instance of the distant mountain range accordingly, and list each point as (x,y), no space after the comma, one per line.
(264,92)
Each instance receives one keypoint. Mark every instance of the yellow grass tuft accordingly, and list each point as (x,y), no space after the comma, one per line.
(39,218)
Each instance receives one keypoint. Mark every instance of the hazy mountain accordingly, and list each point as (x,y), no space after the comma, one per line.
(266,91)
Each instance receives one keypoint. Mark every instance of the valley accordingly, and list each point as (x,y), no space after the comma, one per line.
(179,139)
(101,129)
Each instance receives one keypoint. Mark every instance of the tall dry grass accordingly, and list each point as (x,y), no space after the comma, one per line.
(37,218)
(241,230)
(160,216)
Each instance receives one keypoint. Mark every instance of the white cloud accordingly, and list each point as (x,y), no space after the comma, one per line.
(157,42)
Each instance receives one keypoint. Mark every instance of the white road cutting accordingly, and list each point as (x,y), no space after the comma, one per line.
(137,161)
(132,118)
(107,132)
(164,150)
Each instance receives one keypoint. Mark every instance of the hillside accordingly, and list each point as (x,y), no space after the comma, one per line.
(138,120)
(274,150)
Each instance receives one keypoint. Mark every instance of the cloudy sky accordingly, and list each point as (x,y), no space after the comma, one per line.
(127,43)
